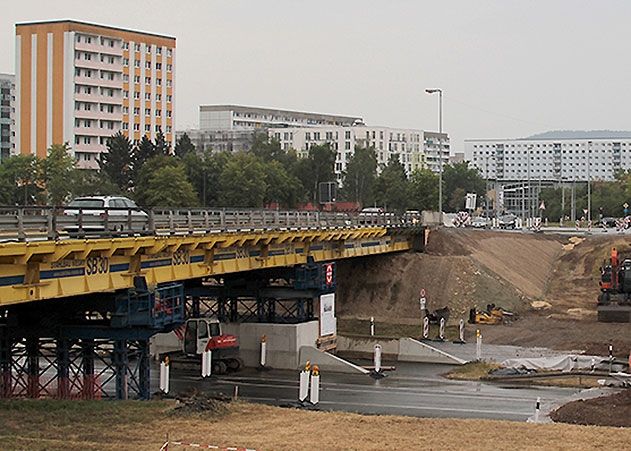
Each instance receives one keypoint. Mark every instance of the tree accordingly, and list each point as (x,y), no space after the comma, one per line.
(143,184)
(161,146)
(115,165)
(318,167)
(360,176)
(204,172)
(184,146)
(242,182)
(20,177)
(58,173)
(283,187)
(424,190)
(142,152)
(393,186)
(462,178)
(169,187)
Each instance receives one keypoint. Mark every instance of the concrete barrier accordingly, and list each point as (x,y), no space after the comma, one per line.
(329,362)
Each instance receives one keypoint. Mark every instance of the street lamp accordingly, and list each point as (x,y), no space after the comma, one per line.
(440,148)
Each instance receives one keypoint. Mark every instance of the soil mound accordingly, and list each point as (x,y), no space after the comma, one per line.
(613,410)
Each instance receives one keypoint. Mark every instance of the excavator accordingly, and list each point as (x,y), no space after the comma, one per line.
(614,300)
(492,315)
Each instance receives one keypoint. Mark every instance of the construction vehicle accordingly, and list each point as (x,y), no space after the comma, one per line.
(203,334)
(492,315)
(614,300)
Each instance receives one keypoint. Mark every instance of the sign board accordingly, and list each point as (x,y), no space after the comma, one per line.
(471,201)
(625,205)
(328,322)
(542,206)
(328,274)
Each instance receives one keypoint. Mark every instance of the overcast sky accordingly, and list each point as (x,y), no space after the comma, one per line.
(507,68)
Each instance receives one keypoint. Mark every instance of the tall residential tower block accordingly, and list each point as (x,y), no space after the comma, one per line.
(80,83)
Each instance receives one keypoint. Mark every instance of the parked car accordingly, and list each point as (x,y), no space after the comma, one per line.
(100,214)
(479,222)
(507,221)
(608,222)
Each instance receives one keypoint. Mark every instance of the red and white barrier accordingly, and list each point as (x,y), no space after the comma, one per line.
(314,395)
(377,358)
(166,445)
(207,363)
(304,382)
(263,351)
(537,409)
(478,345)
(372,326)
(425,328)
(441,330)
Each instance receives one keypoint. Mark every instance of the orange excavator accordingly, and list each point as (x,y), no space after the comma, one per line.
(614,300)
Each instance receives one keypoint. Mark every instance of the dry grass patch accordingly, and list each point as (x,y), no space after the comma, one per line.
(472,371)
(38,425)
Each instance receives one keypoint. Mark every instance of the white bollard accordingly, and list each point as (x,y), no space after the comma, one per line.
(537,409)
(610,358)
(162,376)
(304,382)
(425,328)
(206,363)
(372,326)
(314,396)
(593,366)
(461,331)
(263,350)
(441,330)
(478,345)
(377,358)
(167,371)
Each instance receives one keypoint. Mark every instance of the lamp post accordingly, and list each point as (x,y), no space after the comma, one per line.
(440,148)
(589,185)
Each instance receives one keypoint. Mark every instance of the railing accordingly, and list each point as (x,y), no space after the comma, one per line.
(54,223)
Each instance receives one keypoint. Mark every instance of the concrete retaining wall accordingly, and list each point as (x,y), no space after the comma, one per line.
(403,349)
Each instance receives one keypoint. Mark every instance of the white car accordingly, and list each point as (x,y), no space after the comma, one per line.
(99,214)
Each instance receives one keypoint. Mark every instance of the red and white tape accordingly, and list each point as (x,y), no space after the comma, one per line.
(203,446)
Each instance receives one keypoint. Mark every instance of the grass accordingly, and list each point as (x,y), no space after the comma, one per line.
(104,425)
(472,371)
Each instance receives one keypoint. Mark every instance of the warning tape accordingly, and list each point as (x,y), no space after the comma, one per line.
(203,446)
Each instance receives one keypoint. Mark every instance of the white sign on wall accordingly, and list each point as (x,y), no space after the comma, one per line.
(328,322)
(470,201)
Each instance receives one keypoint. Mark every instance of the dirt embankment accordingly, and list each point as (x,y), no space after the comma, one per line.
(551,281)
(460,269)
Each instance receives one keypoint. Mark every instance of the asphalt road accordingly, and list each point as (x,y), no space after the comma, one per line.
(413,389)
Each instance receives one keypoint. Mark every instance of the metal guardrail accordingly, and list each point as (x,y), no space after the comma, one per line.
(54,223)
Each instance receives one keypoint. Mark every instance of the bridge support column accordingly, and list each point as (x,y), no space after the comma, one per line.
(87,367)
(222,315)
(32,367)
(63,368)
(271,310)
(144,376)
(234,310)
(5,362)
(195,308)
(121,363)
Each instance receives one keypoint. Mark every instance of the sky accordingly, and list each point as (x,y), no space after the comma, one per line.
(508,68)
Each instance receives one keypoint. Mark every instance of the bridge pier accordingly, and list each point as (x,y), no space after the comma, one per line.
(88,388)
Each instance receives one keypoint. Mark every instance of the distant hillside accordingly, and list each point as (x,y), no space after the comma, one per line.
(581,134)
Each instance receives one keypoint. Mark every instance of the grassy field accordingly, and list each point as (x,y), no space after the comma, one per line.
(102,425)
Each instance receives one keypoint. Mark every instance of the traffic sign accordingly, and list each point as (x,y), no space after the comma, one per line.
(328,275)
(625,205)
(422,292)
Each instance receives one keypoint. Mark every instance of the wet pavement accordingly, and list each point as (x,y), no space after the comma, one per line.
(413,389)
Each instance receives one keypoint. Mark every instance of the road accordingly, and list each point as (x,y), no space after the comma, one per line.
(413,389)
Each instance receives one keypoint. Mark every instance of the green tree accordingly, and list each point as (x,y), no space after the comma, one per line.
(184,146)
(142,152)
(20,177)
(424,190)
(169,187)
(142,190)
(58,173)
(204,172)
(360,176)
(115,165)
(458,178)
(242,182)
(393,188)
(161,146)
(282,186)
(318,167)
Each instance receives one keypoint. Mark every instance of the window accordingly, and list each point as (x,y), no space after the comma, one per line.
(169,129)
(137,127)
(136,111)
(77,72)
(137,47)
(125,78)
(136,95)
(147,96)
(147,127)
(125,94)
(136,78)
(87,140)
(126,62)
(87,56)
(147,80)
(158,66)
(77,140)
(125,45)
(169,98)
(156,128)
(158,112)
(169,67)
(158,97)
(347,134)
(148,48)
(159,50)
(147,112)
(88,39)
(87,106)
(87,89)
(307,136)
(169,83)
(347,146)
(169,53)
(125,126)
(147,64)
(125,110)
(159,81)
(136,63)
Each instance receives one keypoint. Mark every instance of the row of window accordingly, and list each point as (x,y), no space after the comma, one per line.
(157,128)
(157,96)
(148,65)
(147,47)
(556,145)
(93,90)
(89,56)
(95,40)
(89,106)
(137,80)
(92,123)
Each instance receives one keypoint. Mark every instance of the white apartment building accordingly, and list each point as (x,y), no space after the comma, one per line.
(7,115)
(80,83)
(409,144)
(237,117)
(552,160)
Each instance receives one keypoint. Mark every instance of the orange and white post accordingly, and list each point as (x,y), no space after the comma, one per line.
(263,360)
(314,396)
(207,363)
(164,375)
(304,382)
(478,345)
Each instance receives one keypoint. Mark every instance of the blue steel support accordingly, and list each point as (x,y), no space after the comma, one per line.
(121,364)
(63,368)
(32,366)
(144,375)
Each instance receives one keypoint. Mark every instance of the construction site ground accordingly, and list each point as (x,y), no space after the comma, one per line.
(549,281)
(98,425)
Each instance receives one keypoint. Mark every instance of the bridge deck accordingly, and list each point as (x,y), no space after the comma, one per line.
(38,270)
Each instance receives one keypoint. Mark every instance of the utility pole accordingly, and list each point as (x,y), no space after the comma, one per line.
(589,184)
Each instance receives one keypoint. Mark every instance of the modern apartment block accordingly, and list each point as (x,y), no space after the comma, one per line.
(7,115)
(553,160)
(81,83)
(409,145)
(236,117)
